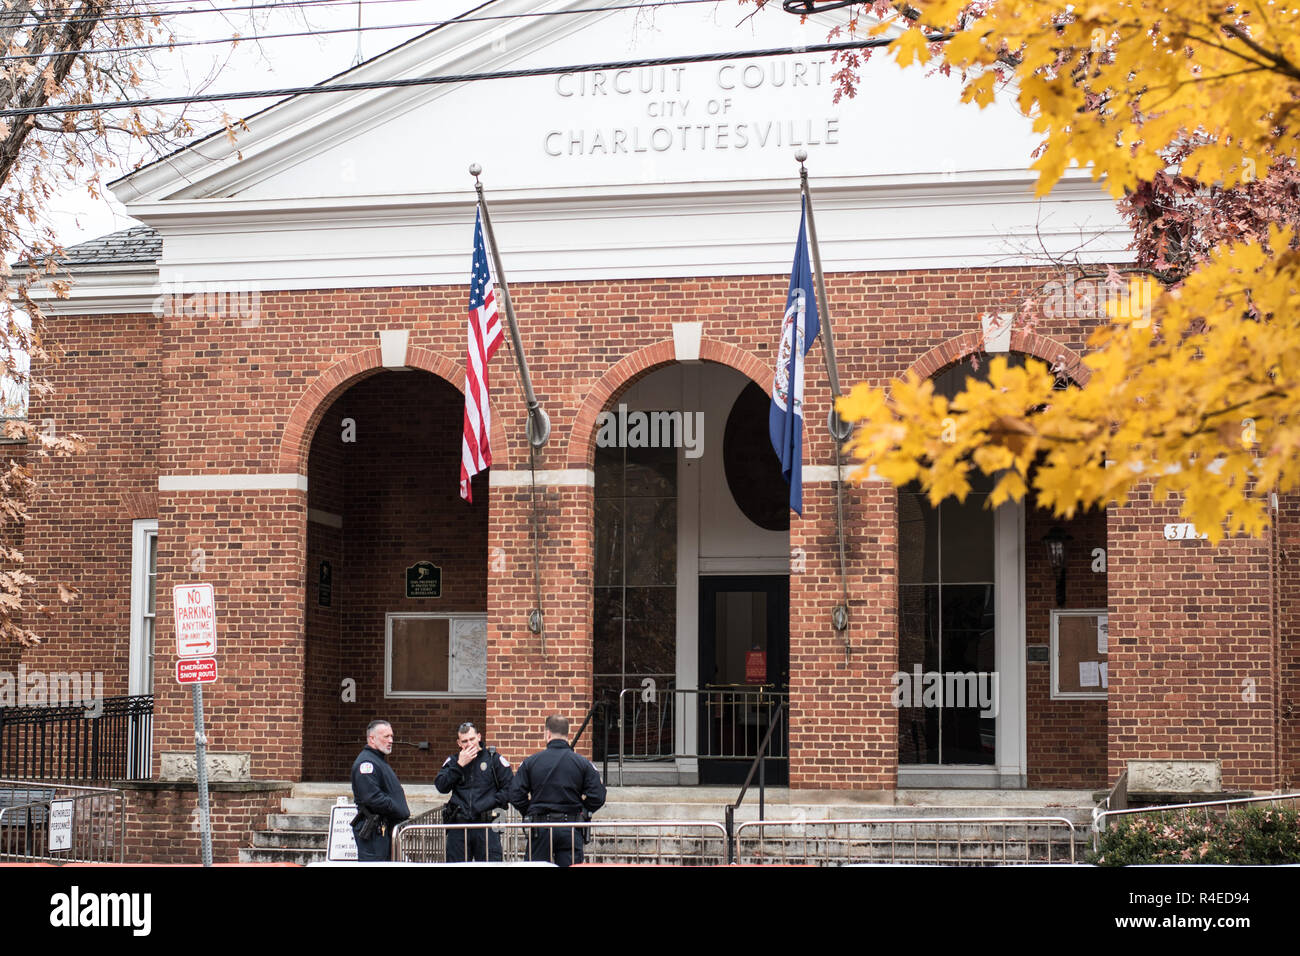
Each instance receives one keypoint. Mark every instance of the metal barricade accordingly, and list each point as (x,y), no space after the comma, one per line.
(951,841)
(1210,810)
(672,842)
(35,817)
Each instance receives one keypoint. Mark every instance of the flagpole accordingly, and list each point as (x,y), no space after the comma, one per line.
(838,427)
(539,423)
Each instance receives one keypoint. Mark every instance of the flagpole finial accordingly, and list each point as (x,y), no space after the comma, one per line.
(475,169)
(800,155)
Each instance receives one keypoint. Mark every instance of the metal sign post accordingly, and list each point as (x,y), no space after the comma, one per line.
(196,637)
(201,766)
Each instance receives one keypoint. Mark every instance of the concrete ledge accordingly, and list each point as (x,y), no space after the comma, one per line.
(191,786)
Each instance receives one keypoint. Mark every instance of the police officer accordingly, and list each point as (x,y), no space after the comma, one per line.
(478,780)
(381,803)
(553,786)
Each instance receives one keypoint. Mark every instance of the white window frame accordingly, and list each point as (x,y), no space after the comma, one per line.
(453,693)
(142,530)
(1100,693)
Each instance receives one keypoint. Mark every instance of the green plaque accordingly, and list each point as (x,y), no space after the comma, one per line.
(424,580)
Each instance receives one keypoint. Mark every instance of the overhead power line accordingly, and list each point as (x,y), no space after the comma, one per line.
(426,25)
(312,4)
(416,81)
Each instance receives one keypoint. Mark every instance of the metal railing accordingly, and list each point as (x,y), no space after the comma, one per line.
(669,842)
(67,743)
(952,841)
(1211,810)
(759,765)
(61,823)
(730,723)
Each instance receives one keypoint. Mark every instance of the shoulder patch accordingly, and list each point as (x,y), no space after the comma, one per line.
(504,761)
(447,761)
(367,767)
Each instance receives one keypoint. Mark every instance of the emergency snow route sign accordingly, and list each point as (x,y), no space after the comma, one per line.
(196,620)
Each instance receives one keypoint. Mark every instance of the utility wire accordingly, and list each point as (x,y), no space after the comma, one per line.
(151,14)
(416,81)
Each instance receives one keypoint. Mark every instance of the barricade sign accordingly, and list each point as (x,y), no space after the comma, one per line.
(343,844)
(196,670)
(196,620)
(61,824)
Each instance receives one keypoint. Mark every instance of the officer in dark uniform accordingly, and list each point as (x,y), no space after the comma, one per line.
(557,785)
(478,780)
(380,800)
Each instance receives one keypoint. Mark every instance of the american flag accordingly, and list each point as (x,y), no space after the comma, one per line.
(484,338)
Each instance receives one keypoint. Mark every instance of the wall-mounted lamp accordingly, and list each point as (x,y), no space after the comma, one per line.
(1056,541)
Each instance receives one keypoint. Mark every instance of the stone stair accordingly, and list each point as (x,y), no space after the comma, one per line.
(298,834)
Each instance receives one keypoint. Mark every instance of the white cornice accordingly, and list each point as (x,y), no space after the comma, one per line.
(104,288)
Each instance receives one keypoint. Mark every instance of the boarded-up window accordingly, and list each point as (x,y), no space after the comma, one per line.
(436,655)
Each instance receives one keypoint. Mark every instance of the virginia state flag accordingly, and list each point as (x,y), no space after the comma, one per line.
(798,329)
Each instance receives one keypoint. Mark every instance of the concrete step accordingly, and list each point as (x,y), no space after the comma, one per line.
(292,839)
(280,855)
(322,805)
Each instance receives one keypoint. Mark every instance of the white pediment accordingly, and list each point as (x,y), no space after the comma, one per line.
(712,122)
(678,169)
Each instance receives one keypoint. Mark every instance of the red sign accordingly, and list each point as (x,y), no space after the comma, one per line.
(196,670)
(756,667)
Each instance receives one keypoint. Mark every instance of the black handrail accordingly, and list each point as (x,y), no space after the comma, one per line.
(598,705)
(759,764)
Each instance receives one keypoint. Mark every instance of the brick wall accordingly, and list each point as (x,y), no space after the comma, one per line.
(1066,739)
(1193,666)
(214,395)
(1288,591)
(162,821)
(106,389)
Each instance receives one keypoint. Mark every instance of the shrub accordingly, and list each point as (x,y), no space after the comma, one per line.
(1248,835)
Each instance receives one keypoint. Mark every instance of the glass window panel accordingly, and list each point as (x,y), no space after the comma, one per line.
(609,472)
(651,541)
(966,540)
(609,541)
(607,635)
(420,654)
(651,647)
(918,539)
(651,472)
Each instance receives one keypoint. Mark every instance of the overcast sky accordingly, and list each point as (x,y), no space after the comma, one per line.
(262,64)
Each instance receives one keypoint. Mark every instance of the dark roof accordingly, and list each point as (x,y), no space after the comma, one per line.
(137,244)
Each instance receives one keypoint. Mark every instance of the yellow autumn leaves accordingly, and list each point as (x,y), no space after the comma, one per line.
(1194,389)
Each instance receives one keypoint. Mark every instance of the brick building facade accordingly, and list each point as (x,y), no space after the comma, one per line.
(300,452)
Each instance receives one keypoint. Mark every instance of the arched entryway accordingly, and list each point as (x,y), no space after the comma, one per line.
(691,574)
(396,575)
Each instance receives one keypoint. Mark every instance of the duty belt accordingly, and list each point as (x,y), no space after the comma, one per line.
(550,817)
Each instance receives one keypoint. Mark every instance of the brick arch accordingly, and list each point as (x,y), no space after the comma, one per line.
(581,449)
(295,443)
(1027,342)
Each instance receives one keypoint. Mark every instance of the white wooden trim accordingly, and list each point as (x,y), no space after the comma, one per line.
(141,528)
(1010,742)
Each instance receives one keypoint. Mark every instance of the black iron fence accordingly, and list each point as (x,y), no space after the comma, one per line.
(110,741)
